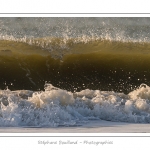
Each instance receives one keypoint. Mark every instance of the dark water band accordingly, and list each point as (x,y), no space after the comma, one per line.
(117,72)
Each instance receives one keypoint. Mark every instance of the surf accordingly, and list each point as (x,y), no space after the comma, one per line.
(65,74)
(96,64)
(56,107)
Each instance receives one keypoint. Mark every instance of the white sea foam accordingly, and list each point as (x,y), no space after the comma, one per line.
(82,30)
(57,107)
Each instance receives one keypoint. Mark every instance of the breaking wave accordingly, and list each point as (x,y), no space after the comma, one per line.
(92,68)
(57,107)
(96,64)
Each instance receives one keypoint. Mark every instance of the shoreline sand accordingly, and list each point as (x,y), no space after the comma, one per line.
(98,126)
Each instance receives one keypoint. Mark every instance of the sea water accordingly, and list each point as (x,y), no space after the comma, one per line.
(67,71)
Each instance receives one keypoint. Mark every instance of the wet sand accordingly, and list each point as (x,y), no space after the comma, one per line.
(98,126)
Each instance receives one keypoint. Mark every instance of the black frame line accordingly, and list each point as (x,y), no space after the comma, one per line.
(79,13)
(76,136)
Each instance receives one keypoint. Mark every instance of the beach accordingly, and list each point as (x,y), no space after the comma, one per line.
(99,126)
(70,75)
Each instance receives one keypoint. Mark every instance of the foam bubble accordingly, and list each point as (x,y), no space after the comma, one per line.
(57,107)
(142,92)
